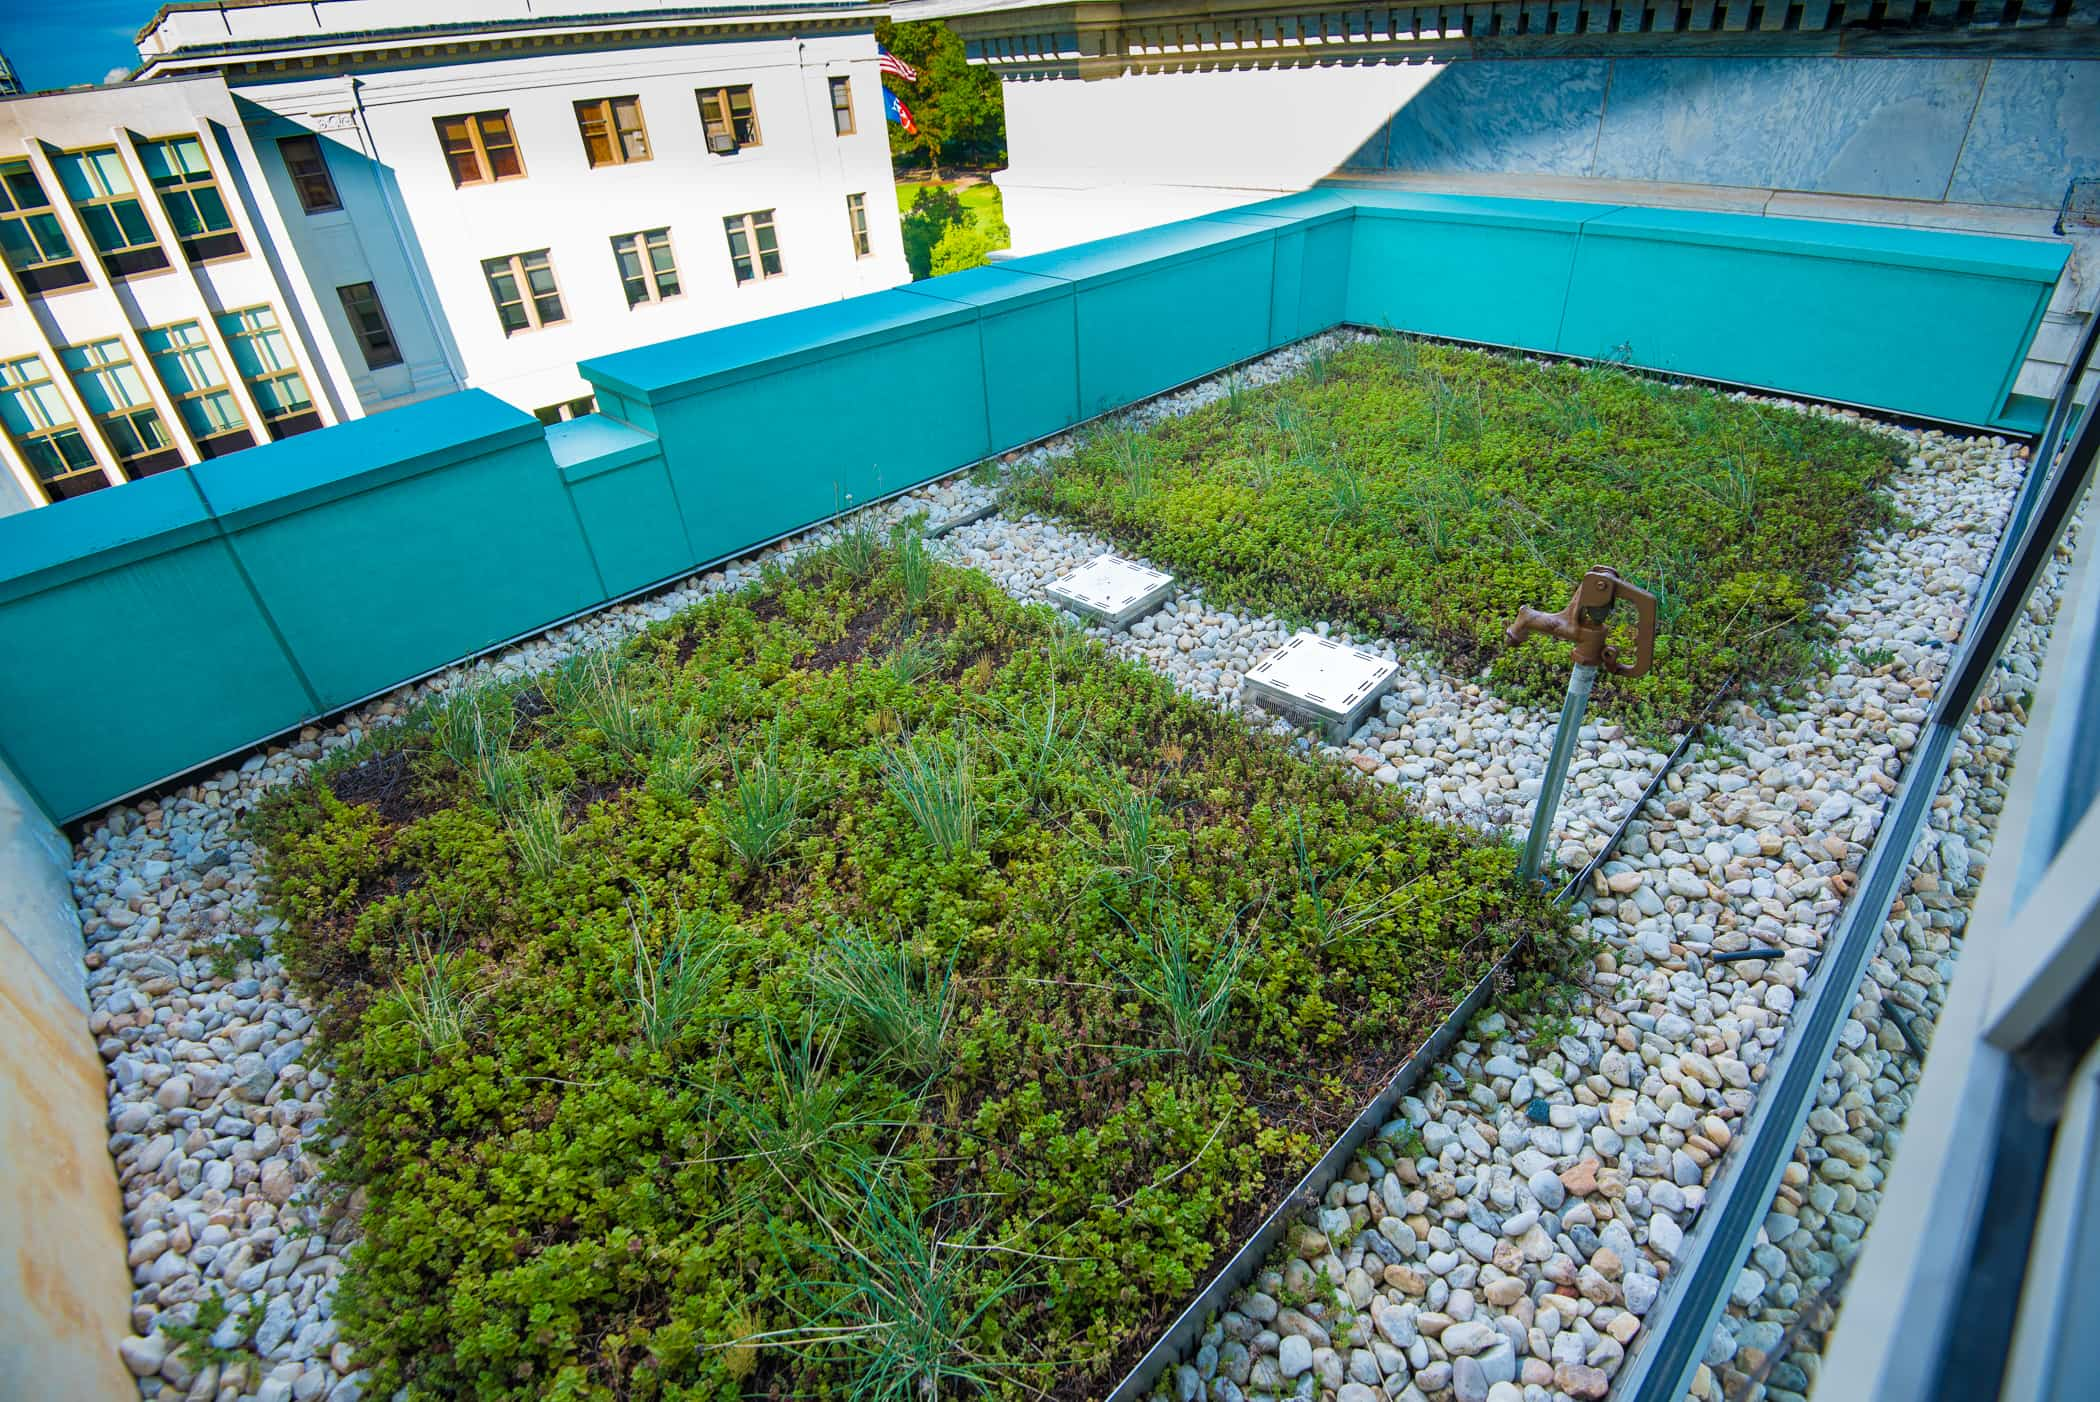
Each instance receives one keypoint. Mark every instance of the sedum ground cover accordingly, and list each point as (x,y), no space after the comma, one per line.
(1424,491)
(860,986)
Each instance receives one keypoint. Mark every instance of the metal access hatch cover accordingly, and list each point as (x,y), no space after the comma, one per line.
(1316,679)
(1112,589)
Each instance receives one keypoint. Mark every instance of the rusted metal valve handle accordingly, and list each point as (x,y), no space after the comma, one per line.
(1583,623)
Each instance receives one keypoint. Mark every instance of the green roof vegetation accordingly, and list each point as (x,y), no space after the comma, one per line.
(860,985)
(1424,492)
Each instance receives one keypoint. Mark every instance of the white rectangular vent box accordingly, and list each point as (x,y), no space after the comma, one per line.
(1317,680)
(1112,590)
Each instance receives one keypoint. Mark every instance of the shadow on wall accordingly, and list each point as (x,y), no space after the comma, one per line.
(1971,131)
(363,241)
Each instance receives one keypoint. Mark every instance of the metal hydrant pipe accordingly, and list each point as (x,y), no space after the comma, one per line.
(1547,805)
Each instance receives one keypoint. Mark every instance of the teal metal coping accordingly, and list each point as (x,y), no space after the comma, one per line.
(594,444)
(993,285)
(100,532)
(357,455)
(1128,255)
(1561,216)
(1993,255)
(673,370)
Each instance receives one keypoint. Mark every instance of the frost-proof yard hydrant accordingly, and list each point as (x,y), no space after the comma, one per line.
(1584,623)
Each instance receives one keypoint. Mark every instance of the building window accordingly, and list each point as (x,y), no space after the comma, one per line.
(188,369)
(754,249)
(43,430)
(524,291)
(842,106)
(182,178)
(34,241)
(116,396)
(648,271)
(308,167)
(857,221)
(568,409)
(108,204)
(730,119)
(262,355)
(480,147)
(369,324)
(612,130)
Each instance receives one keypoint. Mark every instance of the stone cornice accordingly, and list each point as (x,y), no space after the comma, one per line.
(1102,38)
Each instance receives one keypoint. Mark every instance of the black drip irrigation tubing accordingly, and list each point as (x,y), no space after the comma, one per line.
(1177,1342)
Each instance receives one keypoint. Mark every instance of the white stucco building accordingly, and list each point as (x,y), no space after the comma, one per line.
(438,194)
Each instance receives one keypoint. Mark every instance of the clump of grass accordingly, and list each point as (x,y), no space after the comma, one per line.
(913,659)
(937,784)
(1401,353)
(474,731)
(679,760)
(803,1119)
(1319,363)
(892,1001)
(1235,394)
(592,689)
(857,552)
(1186,973)
(1138,845)
(915,562)
(670,990)
(1040,743)
(438,998)
(1328,901)
(902,1304)
(765,806)
(535,824)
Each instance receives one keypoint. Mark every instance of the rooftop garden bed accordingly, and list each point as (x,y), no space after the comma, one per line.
(860,985)
(1424,492)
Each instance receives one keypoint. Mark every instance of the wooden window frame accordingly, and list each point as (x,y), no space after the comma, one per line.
(248,333)
(361,333)
(857,225)
(187,188)
(842,111)
(748,225)
(46,271)
(143,255)
(517,266)
(718,118)
(604,113)
(310,185)
(641,246)
(215,437)
(102,363)
(474,142)
(46,433)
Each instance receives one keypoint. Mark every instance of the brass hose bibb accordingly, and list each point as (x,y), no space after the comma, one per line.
(1583,622)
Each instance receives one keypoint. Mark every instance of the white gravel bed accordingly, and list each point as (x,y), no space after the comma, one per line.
(1832,1189)
(1498,1256)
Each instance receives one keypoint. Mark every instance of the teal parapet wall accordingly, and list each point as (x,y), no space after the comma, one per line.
(154,628)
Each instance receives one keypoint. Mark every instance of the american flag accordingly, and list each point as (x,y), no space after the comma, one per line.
(893,64)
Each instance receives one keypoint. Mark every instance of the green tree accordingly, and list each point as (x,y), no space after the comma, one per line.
(967,246)
(934,212)
(960,112)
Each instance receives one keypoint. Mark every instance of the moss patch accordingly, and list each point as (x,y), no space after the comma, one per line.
(856,981)
(1425,492)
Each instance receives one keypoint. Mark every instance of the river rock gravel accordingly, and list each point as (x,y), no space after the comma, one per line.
(1501,1239)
